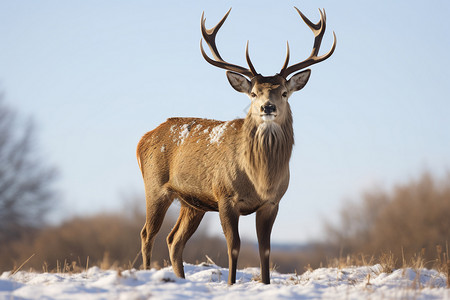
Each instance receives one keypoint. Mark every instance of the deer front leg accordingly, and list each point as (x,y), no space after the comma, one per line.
(265,217)
(229,220)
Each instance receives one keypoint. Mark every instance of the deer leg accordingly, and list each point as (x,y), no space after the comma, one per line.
(229,220)
(265,217)
(186,225)
(156,210)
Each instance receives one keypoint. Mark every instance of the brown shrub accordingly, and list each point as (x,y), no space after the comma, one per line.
(412,218)
(106,240)
(397,227)
(75,240)
(113,240)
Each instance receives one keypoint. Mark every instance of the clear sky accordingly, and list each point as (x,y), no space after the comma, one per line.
(96,75)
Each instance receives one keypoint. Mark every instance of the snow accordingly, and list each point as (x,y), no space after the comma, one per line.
(180,133)
(209,282)
(217,132)
(184,133)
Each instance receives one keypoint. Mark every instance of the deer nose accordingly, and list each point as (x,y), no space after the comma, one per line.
(268,108)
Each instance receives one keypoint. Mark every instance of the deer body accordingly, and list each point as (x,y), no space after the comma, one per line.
(236,167)
(202,161)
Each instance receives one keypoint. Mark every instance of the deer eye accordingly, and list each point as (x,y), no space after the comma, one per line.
(284,94)
(253,95)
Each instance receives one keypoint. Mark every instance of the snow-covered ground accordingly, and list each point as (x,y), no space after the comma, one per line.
(209,282)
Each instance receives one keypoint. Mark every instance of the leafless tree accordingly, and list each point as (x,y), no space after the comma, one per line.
(26,182)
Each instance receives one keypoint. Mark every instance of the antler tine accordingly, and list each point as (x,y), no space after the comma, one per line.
(319,31)
(314,27)
(286,61)
(249,62)
(210,34)
(210,38)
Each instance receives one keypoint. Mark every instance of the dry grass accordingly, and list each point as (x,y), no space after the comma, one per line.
(15,270)
(442,263)
(388,262)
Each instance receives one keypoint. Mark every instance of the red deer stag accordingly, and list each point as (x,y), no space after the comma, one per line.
(236,167)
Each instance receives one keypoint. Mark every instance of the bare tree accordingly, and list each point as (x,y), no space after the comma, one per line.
(26,182)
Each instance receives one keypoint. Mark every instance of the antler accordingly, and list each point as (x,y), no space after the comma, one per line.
(210,38)
(318,30)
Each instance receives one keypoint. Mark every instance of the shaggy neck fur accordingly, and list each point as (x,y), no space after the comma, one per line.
(266,153)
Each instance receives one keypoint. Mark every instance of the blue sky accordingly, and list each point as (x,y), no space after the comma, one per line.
(96,75)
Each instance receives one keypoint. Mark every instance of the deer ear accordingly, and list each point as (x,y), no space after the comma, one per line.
(298,81)
(239,82)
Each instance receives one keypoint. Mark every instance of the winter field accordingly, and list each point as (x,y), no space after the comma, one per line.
(209,282)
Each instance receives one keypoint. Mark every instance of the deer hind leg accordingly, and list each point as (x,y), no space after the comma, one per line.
(185,227)
(156,210)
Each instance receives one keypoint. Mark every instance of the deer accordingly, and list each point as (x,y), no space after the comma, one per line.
(236,167)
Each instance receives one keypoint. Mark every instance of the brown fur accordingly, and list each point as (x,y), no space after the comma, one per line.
(267,149)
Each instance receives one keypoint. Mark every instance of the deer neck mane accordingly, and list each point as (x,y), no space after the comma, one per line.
(266,153)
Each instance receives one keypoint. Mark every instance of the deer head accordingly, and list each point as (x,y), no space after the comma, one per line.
(269,94)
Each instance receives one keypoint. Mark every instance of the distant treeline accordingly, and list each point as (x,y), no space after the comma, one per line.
(411,219)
